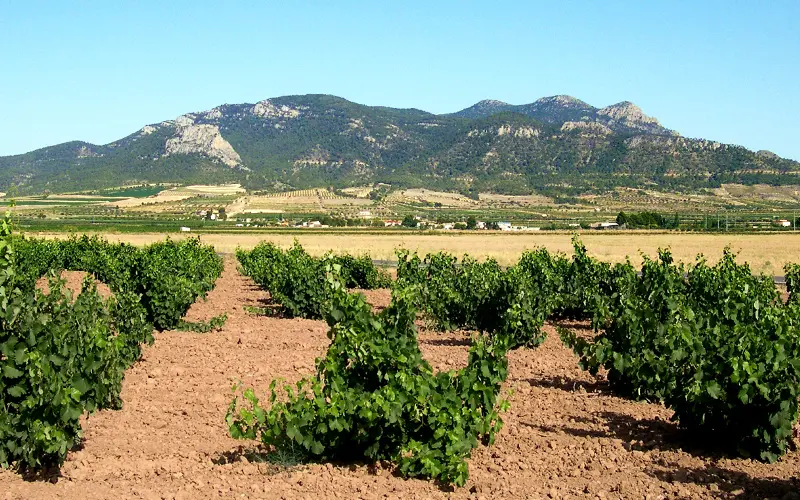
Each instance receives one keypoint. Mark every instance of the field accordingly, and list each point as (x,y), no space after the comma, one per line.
(730,208)
(307,201)
(565,434)
(764,252)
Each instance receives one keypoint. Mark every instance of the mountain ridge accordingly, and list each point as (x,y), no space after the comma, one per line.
(319,140)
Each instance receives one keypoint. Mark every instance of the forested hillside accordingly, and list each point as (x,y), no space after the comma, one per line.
(554,144)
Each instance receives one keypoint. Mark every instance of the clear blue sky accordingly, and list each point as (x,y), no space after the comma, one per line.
(97,71)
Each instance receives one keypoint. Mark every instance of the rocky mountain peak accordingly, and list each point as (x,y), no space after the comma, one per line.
(484,108)
(562,100)
(626,110)
(629,115)
(488,103)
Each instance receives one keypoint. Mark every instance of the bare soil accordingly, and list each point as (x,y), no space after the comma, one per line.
(565,435)
(73,281)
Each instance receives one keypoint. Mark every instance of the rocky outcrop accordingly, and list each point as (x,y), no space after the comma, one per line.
(202,139)
(184,120)
(674,143)
(564,101)
(266,109)
(213,114)
(85,152)
(521,132)
(586,127)
(624,117)
(631,116)
(763,153)
(525,132)
(316,157)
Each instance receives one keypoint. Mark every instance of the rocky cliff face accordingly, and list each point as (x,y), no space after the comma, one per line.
(201,139)
(631,116)
(266,109)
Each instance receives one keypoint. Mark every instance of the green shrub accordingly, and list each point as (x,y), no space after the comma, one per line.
(296,280)
(172,275)
(792,273)
(375,398)
(58,359)
(476,295)
(61,357)
(169,276)
(715,345)
(361,272)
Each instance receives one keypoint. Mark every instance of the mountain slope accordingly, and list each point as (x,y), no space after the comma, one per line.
(556,143)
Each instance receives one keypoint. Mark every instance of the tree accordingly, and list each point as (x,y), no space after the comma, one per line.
(409,221)
(471,222)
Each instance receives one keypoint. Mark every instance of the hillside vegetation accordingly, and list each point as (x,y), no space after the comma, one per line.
(555,145)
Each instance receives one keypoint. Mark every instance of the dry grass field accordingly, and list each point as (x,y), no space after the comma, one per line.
(765,253)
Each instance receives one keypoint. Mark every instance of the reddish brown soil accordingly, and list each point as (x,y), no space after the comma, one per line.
(74,282)
(565,435)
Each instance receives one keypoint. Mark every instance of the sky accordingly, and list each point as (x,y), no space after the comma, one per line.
(98,71)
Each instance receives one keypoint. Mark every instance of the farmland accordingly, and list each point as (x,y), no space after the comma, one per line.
(566,433)
(731,208)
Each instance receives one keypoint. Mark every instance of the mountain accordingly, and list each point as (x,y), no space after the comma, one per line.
(482,109)
(624,117)
(556,144)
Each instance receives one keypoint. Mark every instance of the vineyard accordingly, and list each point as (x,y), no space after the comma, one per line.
(715,347)
(64,355)
(713,343)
